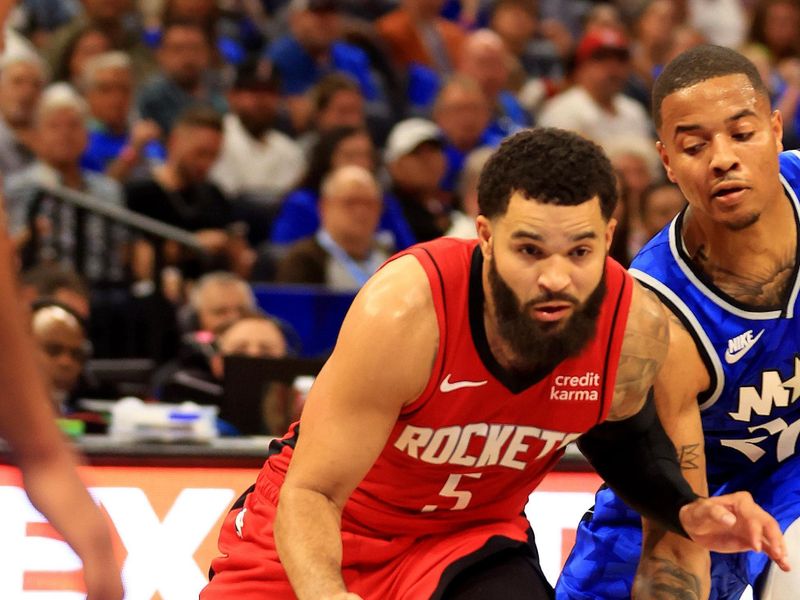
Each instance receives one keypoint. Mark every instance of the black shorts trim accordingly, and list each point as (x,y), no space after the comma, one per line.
(494,546)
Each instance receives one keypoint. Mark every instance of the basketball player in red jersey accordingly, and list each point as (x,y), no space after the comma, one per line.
(461,371)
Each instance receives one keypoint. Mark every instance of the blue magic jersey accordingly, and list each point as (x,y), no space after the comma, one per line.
(751,417)
(750,414)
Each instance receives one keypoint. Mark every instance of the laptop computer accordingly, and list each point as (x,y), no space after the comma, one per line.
(259,395)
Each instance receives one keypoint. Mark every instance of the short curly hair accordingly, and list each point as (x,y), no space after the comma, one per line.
(699,64)
(549,165)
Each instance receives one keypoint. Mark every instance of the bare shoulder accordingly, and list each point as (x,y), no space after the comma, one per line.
(400,290)
(391,330)
(644,350)
(397,300)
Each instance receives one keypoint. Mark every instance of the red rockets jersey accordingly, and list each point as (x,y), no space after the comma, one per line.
(477,441)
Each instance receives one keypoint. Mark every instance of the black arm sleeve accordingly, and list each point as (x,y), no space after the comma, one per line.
(638,461)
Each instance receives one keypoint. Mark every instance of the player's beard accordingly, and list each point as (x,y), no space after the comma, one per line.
(537,344)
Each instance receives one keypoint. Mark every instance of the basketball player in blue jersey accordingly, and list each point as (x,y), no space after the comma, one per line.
(727,267)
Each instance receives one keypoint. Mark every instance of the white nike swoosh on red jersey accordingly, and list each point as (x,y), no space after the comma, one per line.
(451,386)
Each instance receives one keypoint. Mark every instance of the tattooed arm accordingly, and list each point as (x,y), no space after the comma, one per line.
(634,454)
(631,450)
(644,349)
(672,566)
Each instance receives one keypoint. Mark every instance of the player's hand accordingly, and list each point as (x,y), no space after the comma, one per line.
(734,523)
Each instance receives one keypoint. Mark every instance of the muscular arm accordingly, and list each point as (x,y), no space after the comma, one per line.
(644,350)
(631,451)
(636,457)
(382,361)
(672,566)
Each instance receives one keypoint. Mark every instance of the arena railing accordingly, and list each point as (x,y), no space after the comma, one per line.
(152,334)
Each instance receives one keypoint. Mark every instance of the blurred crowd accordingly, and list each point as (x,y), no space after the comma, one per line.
(303,142)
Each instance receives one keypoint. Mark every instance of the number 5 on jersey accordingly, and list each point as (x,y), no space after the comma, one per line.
(450,490)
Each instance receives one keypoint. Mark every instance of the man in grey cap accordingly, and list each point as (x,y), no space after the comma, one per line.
(416,162)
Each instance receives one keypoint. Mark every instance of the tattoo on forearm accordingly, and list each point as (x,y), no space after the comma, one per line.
(670,582)
(688,456)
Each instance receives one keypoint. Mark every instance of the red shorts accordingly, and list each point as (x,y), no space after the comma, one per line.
(408,568)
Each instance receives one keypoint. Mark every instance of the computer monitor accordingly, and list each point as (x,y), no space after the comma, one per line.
(258,395)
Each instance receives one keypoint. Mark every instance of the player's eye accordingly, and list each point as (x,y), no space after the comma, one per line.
(530,251)
(693,149)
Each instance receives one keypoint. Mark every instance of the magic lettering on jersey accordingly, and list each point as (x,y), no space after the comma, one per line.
(499,445)
(750,411)
(774,394)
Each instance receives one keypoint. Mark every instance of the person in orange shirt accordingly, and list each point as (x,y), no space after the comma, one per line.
(416,34)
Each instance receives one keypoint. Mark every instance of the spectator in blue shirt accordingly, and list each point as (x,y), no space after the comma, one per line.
(118,146)
(462,113)
(313,48)
(185,79)
(486,60)
(343,146)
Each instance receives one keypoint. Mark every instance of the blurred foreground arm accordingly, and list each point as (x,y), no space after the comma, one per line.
(47,464)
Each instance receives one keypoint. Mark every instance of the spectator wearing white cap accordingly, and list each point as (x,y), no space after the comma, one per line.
(416,163)
(595,106)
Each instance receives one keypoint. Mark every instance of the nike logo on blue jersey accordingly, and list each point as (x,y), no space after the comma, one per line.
(740,345)
(450,386)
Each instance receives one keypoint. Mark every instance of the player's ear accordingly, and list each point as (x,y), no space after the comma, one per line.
(484,227)
(776,123)
(610,228)
(665,161)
